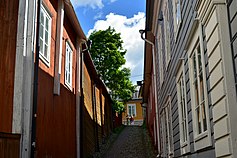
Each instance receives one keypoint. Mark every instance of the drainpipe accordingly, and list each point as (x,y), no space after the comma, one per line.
(35,88)
(155,86)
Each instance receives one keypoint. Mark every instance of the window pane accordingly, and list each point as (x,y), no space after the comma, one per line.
(199,59)
(184,132)
(198,120)
(196,93)
(47,24)
(130,110)
(41,46)
(42,18)
(204,117)
(201,87)
(46,37)
(133,111)
(46,51)
(183,98)
(41,31)
(69,78)
(194,66)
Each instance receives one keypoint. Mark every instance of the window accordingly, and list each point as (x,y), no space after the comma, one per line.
(177,15)
(182,108)
(167,130)
(132,110)
(135,95)
(167,34)
(163,134)
(45,35)
(198,90)
(200,109)
(68,65)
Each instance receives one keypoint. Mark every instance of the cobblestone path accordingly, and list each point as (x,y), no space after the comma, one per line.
(133,142)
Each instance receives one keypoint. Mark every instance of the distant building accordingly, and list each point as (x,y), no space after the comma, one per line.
(190,77)
(133,109)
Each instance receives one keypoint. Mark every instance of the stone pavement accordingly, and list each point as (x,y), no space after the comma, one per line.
(132,142)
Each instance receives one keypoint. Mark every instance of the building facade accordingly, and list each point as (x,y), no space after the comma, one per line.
(133,109)
(194,64)
(51,120)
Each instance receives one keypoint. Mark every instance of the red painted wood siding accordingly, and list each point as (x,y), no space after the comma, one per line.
(56,118)
(8,32)
(9,145)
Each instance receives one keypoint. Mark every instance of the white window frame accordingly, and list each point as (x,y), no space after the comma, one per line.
(167,34)
(42,40)
(182,108)
(203,139)
(132,106)
(177,16)
(68,65)
(167,130)
(163,133)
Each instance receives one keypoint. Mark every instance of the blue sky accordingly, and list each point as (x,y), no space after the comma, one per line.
(126,16)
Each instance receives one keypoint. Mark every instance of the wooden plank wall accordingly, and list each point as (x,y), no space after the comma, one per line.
(88,120)
(8,32)
(56,120)
(9,145)
(56,114)
(169,86)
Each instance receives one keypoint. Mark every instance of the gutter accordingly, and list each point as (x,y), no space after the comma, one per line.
(155,86)
(35,87)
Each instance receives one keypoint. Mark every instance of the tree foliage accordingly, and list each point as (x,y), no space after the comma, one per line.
(108,56)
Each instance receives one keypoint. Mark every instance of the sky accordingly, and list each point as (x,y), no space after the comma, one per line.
(126,16)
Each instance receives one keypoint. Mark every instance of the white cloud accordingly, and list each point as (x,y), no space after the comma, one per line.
(98,15)
(88,3)
(129,29)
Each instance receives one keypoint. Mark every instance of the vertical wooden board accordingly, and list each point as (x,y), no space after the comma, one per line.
(9,145)
(88,122)
(8,31)
(56,133)
(88,135)
(98,111)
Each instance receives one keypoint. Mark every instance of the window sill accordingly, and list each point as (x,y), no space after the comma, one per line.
(184,144)
(44,60)
(201,136)
(68,86)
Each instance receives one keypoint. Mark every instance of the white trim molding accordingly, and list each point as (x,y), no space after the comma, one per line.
(182,108)
(68,65)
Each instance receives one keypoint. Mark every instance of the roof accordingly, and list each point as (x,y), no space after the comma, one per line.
(69,10)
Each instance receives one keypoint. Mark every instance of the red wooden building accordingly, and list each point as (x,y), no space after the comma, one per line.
(73,111)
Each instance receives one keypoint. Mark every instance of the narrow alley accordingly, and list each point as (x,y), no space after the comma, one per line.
(133,141)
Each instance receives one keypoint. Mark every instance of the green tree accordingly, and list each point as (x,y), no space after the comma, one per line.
(108,56)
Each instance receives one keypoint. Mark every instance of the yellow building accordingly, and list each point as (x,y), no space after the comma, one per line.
(133,109)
